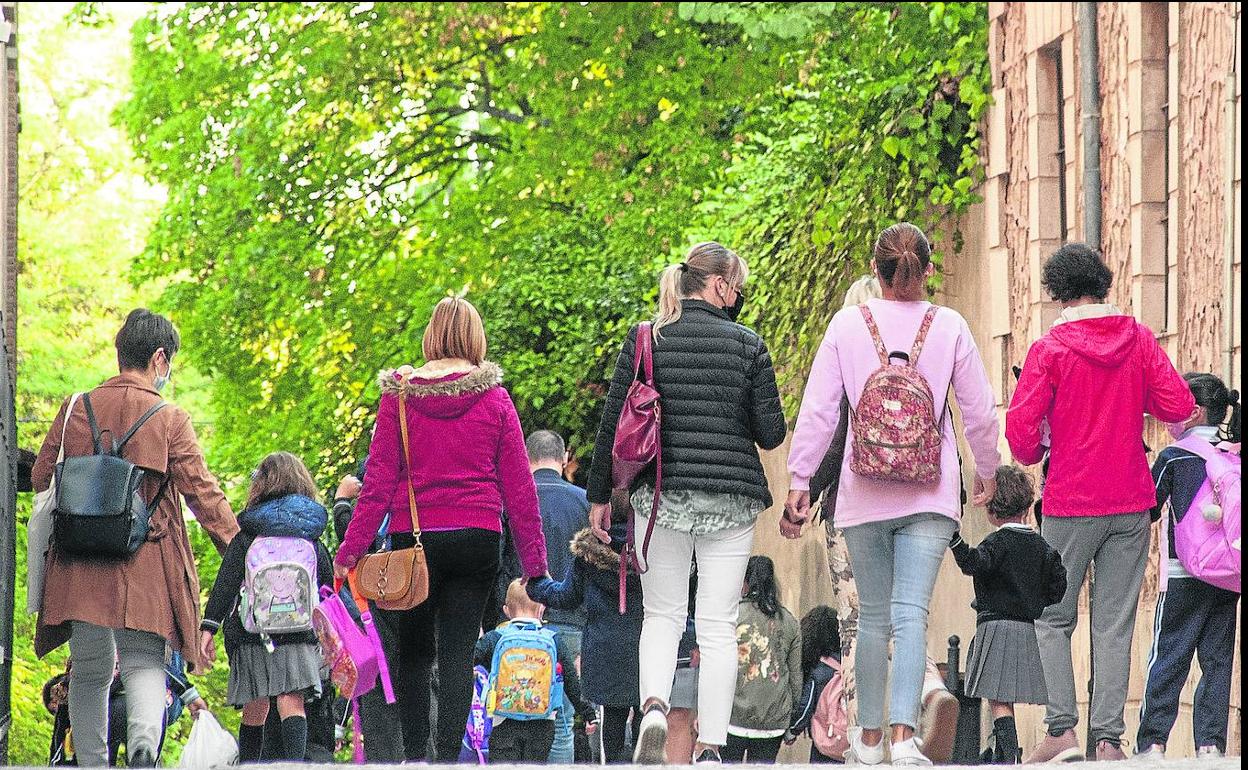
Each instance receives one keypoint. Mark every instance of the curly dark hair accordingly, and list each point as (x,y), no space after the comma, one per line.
(1074,271)
(1015,493)
(821,635)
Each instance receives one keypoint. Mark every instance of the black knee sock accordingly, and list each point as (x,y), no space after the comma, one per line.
(1007,741)
(250,741)
(295,738)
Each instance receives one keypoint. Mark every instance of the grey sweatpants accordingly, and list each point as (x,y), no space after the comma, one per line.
(95,653)
(1117,549)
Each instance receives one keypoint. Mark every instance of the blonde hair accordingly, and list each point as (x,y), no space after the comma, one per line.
(278,475)
(519,603)
(704,261)
(861,290)
(455,331)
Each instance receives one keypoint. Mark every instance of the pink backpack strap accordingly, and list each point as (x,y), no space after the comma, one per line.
(921,337)
(880,350)
(383,668)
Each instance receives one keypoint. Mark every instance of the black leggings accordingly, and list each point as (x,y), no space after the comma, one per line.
(761,751)
(614,721)
(462,566)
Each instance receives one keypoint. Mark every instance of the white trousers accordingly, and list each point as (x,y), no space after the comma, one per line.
(722,558)
(96,653)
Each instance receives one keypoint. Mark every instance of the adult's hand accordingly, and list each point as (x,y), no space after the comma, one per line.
(196,706)
(207,646)
(348,488)
(341,572)
(600,521)
(984,490)
(796,513)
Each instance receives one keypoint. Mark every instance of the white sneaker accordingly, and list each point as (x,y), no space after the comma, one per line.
(652,739)
(1208,752)
(908,752)
(859,753)
(1154,753)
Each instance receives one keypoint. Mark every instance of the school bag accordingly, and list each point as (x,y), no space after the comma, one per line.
(99,511)
(354,657)
(279,586)
(477,732)
(1207,538)
(829,727)
(524,674)
(897,436)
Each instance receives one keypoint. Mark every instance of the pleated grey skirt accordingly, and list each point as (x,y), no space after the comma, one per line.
(1004,663)
(256,673)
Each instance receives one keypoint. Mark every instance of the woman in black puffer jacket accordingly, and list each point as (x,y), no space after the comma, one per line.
(719,404)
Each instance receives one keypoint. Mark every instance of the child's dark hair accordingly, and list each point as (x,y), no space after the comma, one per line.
(760,585)
(1015,493)
(821,637)
(1217,399)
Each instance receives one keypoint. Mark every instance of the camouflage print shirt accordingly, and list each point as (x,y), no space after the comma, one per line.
(698,512)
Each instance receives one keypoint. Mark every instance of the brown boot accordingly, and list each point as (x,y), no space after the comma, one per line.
(1109,752)
(1056,748)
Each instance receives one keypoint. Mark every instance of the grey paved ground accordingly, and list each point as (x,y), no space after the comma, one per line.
(1228,763)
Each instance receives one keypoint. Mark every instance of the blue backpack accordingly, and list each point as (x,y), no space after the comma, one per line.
(526,681)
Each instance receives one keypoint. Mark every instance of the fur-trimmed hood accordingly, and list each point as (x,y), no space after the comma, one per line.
(597,554)
(442,389)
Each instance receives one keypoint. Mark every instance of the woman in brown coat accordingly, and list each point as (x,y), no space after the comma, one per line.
(131,611)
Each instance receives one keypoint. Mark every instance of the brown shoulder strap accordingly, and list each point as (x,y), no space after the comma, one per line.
(921,337)
(880,350)
(407,470)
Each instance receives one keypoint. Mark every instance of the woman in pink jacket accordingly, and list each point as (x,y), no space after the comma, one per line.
(1082,396)
(468,465)
(897,532)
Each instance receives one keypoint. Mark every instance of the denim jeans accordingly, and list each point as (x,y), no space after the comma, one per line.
(895,564)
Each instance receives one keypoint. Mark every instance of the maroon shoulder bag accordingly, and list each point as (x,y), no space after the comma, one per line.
(637,444)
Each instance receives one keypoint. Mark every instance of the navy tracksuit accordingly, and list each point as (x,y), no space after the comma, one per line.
(1193,618)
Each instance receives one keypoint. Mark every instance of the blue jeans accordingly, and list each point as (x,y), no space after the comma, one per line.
(562,750)
(895,564)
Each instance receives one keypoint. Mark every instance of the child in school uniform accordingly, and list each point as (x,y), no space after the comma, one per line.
(284,521)
(1017,574)
(527,741)
(1194,618)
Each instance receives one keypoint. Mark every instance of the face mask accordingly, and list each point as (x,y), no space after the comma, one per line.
(163,379)
(734,310)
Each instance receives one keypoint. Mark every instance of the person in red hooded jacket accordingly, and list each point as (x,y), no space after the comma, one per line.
(1082,396)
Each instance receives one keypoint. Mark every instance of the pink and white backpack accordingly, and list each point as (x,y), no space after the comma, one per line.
(1207,538)
(896,432)
(829,727)
(279,586)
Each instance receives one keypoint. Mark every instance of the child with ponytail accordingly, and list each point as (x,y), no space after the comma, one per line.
(1193,617)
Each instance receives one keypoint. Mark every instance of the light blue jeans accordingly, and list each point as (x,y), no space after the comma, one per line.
(895,564)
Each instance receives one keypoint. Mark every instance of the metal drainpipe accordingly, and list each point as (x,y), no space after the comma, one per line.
(1090,119)
(1228,273)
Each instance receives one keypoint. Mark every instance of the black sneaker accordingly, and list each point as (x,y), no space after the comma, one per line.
(708,757)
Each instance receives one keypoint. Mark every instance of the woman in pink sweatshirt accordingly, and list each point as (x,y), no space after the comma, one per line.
(468,465)
(897,532)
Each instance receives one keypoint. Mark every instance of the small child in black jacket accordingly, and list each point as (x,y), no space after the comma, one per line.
(821,663)
(529,741)
(1017,574)
(281,510)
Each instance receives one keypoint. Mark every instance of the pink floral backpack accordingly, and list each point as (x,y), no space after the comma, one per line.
(896,431)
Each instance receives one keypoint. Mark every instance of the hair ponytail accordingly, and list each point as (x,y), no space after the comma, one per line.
(902,254)
(687,278)
(1211,393)
(761,586)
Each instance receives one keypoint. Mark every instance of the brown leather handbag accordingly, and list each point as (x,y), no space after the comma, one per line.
(397,580)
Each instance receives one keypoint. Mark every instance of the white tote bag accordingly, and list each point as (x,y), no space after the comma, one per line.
(39,529)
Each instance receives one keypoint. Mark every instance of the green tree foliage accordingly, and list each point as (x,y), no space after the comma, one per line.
(335,168)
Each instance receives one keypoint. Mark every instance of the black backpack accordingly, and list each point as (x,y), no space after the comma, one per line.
(99,511)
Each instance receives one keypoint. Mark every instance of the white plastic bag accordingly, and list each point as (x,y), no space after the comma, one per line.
(210,745)
(39,529)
